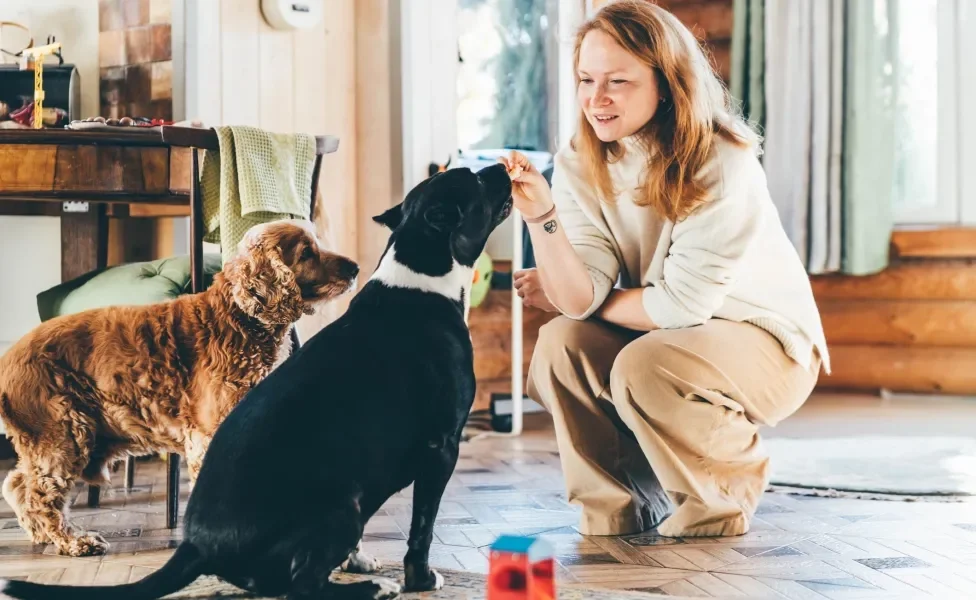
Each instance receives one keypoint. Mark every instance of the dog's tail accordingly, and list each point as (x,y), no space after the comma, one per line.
(180,570)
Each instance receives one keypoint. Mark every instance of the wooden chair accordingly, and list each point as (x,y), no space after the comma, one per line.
(204,139)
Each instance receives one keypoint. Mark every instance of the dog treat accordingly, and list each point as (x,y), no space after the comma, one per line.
(125,121)
(515,172)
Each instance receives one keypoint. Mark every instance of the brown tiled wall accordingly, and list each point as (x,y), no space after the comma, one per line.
(135,54)
(710,21)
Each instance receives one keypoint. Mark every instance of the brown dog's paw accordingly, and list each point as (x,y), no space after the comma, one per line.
(85,545)
(360,562)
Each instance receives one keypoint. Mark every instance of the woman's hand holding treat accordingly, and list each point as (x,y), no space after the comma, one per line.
(530,191)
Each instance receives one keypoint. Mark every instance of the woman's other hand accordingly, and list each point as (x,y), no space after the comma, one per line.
(530,191)
(529,288)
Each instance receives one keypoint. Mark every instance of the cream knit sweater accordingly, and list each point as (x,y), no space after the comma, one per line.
(730,259)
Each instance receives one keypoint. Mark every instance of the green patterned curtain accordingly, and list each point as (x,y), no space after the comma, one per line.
(870,96)
(834,193)
(748,58)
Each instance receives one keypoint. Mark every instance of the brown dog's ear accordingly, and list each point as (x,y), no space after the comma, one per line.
(264,287)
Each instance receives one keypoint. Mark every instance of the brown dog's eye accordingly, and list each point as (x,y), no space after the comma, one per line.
(308,253)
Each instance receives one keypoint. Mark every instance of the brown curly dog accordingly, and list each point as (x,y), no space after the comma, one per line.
(81,391)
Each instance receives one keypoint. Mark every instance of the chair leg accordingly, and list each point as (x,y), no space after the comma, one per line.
(172,490)
(130,472)
(95,492)
(196,286)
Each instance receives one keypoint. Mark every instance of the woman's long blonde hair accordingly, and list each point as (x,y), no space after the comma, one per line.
(695,107)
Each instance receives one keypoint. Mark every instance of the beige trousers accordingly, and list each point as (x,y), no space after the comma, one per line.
(664,422)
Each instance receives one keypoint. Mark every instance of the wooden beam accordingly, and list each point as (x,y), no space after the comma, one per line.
(948,242)
(156,211)
(921,370)
(929,280)
(378,148)
(29,209)
(900,323)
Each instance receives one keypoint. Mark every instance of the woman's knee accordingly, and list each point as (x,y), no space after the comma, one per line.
(572,354)
(559,335)
(641,371)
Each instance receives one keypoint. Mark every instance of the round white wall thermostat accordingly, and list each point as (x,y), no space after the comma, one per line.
(292,14)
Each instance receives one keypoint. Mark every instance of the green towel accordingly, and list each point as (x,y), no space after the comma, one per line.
(256,177)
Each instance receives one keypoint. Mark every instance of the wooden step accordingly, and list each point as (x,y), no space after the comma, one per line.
(900,322)
(923,280)
(921,369)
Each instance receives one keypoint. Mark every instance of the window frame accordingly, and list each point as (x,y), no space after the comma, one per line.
(429,81)
(966,76)
(955,187)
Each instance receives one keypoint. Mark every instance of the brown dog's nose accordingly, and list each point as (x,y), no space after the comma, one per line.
(349,269)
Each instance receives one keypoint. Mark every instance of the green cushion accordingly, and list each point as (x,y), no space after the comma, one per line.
(127,284)
(483,269)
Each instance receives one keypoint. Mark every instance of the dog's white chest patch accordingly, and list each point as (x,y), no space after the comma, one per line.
(455,284)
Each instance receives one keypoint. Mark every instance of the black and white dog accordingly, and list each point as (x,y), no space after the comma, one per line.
(374,402)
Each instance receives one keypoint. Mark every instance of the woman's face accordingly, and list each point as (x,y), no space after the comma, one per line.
(617,92)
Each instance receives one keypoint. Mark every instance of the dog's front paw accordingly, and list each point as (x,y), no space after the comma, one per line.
(85,545)
(430,582)
(360,562)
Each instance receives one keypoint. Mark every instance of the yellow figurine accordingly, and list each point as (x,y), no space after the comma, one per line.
(38,55)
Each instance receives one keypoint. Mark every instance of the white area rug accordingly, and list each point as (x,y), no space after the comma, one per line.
(943,465)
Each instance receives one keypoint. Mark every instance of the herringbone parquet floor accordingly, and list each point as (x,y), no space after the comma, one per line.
(800,547)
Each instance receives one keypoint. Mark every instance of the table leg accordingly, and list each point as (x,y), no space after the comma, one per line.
(84,248)
(130,472)
(84,241)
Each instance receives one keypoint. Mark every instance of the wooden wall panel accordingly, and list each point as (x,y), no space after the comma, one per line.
(278,70)
(910,328)
(915,323)
(241,77)
(326,45)
(923,280)
(378,147)
(951,242)
(919,370)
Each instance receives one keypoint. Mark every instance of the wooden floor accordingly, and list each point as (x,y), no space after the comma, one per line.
(800,547)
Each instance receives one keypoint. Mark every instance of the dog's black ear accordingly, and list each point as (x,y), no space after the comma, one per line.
(391,218)
(443,218)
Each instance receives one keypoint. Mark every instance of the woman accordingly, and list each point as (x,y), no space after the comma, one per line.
(658,385)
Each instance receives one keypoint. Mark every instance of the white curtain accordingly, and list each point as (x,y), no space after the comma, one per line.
(804,118)
(831,68)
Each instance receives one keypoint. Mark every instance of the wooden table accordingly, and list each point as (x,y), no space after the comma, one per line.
(86,176)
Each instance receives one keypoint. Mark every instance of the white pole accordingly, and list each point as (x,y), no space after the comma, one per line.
(517,393)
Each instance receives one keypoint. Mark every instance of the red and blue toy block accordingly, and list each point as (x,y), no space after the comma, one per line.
(521,568)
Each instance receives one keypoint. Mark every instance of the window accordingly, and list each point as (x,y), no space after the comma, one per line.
(933,133)
(497,74)
(506,79)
